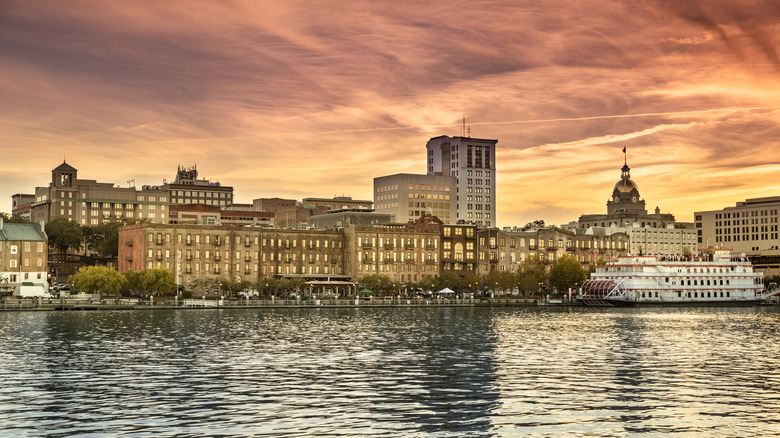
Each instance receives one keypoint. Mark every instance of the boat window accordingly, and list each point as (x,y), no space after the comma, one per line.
(694,283)
(656,294)
(727,282)
(696,295)
(667,279)
(679,294)
(721,282)
(721,294)
(689,294)
(708,283)
(689,282)
(728,294)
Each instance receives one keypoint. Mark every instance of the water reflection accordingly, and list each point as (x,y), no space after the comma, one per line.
(373,372)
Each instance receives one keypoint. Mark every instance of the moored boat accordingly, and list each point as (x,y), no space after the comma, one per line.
(718,279)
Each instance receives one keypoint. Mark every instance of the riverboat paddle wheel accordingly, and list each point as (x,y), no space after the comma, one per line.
(601,292)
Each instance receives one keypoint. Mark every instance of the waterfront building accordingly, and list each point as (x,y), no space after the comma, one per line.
(472,162)
(24,253)
(406,196)
(505,249)
(88,202)
(244,253)
(749,227)
(400,252)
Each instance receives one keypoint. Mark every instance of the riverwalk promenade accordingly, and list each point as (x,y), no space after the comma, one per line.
(39,304)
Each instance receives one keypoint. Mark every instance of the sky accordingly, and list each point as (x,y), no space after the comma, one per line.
(302,99)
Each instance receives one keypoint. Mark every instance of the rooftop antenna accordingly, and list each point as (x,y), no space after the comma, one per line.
(463,127)
(469,132)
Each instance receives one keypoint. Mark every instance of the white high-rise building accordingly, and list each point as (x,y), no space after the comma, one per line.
(472,161)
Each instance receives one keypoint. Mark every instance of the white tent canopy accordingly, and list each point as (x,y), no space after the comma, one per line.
(446,290)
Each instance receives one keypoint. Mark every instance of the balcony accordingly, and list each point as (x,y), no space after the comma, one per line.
(217,242)
(389,246)
(217,257)
(188,271)
(247,270)
(159,241)
(188,242)
(247,243)
(552,248)
(129,259)
(430,262)
(571,248)
(333,261)
(216,270)
(367,245)
(430,247)
(247,258)
(188,257)
(532,247)
(159,257)
(129,242)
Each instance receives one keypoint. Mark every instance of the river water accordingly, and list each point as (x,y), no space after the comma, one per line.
(421,372)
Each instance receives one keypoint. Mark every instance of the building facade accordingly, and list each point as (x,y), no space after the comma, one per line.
(21,205)
(336,203)
(88,202)
(749,227)
(407,196)
(187,189)
(194,251)
(23,255)
(472,162)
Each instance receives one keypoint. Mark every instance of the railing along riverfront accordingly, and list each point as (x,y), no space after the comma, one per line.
(96,303)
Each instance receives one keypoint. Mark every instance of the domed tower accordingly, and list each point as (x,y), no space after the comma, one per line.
(625,196)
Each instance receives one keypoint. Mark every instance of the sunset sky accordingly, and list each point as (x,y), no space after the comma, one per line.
(301,99)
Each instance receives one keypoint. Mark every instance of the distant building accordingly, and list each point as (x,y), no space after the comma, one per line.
(186,189)
(407,196)
(472,162)
(88,202)
(21,205)
(240,215)
(749,227)
(23,255)
(625,208)
(335,219)
(336,203)
(272,204)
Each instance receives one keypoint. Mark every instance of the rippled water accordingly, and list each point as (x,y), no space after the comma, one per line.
(391,372)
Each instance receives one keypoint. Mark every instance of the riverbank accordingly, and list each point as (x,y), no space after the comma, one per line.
(37,304)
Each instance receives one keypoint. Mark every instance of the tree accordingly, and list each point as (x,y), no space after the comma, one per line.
(531,275)
(566,273)
(157,281)
(452,281)
(97,279)
(14,218)
(64,234)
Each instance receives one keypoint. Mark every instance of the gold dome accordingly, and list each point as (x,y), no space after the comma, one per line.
(625,186)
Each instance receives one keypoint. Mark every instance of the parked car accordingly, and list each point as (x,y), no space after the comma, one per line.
(249,293)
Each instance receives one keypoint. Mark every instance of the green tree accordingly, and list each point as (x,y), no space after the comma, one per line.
(64,234)
(452,281)
(566,273)
(97,279)
(14,218)
(531,276)
(157,281)
(133,280)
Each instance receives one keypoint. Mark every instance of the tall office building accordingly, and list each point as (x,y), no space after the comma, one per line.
(472,161)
